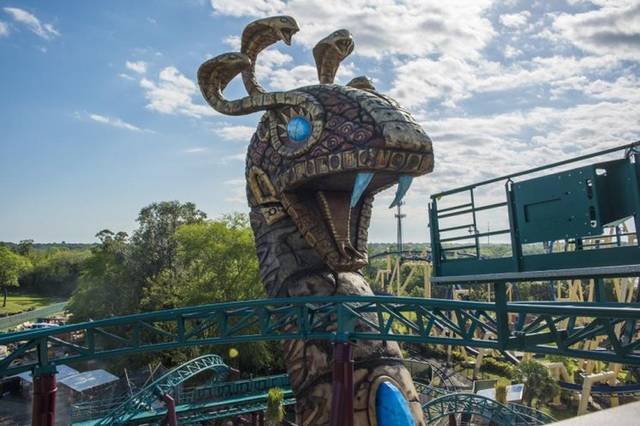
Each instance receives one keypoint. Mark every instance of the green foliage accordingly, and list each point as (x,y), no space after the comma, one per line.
(275,406)
(501,368)
(12,266)
(153,243)
(570,364)
(55,272)
(175,258)
(105,287)
(538,382)
(501,392)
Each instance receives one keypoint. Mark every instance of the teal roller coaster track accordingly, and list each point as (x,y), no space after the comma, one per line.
(560,328)
(572,205)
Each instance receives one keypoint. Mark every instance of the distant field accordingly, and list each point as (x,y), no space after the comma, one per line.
(20,302)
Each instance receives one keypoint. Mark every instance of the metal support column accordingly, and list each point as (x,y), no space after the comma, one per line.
(172,418)
(452,420)
(342,404)
(600,295)
(502,317)
(44,397)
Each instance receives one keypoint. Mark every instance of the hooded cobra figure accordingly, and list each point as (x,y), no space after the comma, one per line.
(318,157)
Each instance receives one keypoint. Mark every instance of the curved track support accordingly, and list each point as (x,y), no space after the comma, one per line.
(475,405)
(162,387)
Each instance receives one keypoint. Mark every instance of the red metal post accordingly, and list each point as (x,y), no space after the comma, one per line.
(172,418)
(43,408)
(342,403)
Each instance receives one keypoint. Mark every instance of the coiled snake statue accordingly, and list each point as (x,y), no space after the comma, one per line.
(318,157)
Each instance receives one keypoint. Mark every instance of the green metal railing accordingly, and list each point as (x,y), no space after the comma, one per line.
(561,328)
(570,205)
(17,319)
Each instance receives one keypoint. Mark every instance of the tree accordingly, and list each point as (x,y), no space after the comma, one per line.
(121,269)
(105,287)
(12,266)
(55,272)
(215,262)
(153,243)
(538,383)
(275,407)
(25,248)
(175,258)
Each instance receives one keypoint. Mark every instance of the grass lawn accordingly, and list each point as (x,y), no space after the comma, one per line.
(22,302)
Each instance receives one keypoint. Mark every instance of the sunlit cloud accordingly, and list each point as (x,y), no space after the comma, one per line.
(30,21)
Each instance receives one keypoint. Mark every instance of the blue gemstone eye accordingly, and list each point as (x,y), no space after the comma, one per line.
(299,129)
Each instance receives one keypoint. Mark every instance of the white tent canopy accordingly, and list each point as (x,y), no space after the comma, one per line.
(63,371)
(88,380)
(514,393)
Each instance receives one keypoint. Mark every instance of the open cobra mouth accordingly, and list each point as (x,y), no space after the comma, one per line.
(333,210)
(286,34)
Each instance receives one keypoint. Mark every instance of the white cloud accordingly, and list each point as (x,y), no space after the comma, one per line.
(116,122)
(235,157)
(173,94)
(451,80)
(613,28)
(446,60)
(235,133)
(139,67)
(515,20)
(511,52)
(413,27)
(196,150)
(21,16)
(4,29)
(237,193)
(236,181)
(125,76)
(233,42)
(274,69)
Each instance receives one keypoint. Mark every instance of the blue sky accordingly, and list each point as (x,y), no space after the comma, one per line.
(100,115)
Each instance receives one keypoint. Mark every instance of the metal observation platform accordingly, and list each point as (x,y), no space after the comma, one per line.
(576,206)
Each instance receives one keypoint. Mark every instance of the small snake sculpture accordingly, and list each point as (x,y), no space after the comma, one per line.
(318,157)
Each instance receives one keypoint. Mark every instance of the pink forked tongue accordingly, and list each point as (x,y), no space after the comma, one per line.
(336,211)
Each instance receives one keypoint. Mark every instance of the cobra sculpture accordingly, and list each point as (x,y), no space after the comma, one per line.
(318,157)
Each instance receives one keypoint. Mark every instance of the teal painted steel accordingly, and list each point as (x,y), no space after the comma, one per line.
(146,397)
(524,414)
(223,390)
(476,405)
(568,205)
(560,206)
(97,409)
(204,411)
(544,327)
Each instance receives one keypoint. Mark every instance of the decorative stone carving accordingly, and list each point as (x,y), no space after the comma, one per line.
(311,147)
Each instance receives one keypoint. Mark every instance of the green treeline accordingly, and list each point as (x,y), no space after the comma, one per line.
(47,270)
(176,257)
